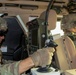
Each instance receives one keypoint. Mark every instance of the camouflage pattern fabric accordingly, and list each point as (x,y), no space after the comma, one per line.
(68,21)
(10,69)
(3,24)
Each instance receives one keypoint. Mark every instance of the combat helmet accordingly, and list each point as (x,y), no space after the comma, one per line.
(3,26)
(68,21)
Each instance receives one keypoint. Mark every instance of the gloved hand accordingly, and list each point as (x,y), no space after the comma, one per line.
(43,56)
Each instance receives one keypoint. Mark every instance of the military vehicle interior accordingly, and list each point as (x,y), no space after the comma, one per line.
(27,33)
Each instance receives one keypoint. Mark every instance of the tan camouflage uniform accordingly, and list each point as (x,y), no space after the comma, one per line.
(10,69)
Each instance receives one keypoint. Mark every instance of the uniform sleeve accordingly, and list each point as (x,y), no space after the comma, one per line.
(10,69)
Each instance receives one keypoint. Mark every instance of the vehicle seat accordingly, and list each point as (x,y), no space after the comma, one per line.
(65,53)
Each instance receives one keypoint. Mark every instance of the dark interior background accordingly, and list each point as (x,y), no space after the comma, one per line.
(15,40)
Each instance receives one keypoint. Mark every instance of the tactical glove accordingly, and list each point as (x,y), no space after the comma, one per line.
(42,57)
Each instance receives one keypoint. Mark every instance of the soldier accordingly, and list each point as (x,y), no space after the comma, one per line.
(69,39)
(40,58)
(69,26)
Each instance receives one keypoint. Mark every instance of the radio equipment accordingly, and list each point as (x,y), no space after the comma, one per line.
(36,34)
